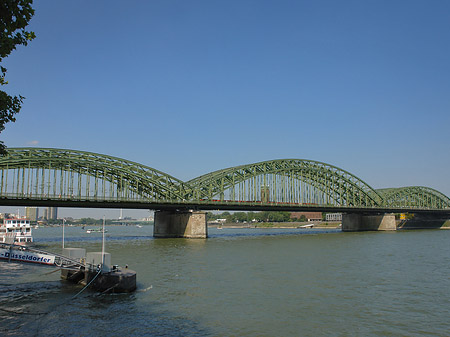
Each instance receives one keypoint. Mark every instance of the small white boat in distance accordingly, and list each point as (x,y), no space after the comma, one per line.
(94,230)
(306,226)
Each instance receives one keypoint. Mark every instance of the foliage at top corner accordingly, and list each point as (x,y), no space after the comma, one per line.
(14,17)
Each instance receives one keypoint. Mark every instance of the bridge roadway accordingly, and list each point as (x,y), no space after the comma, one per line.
(215,206)
(70,178)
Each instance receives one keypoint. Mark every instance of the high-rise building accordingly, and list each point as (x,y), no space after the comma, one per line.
(265,194)
(32,213)
(52,213)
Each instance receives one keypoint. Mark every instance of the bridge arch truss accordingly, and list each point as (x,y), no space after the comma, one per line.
(286,181)
(57,174)
(414,197)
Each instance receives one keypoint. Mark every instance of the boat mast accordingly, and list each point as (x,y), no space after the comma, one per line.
(103,243)
(64,221)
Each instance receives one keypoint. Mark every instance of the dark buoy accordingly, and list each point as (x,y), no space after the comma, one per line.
(98,273)
(116,281)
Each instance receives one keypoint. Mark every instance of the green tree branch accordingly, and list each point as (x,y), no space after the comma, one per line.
(14,17)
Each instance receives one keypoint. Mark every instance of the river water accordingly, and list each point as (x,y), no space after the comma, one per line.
(241,282)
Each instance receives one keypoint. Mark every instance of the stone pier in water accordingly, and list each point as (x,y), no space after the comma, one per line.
(360,222)
(180,224)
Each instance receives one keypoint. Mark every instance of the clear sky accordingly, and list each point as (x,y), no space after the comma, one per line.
(189,87)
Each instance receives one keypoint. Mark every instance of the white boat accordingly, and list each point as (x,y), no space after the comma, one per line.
(306,226)
(16,230)
(95,230)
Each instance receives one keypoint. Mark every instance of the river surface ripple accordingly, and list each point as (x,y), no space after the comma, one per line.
(241,282)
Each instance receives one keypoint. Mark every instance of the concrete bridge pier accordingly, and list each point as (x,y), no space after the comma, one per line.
(180,224)
(360,222)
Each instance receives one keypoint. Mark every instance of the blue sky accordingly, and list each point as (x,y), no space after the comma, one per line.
(189,87)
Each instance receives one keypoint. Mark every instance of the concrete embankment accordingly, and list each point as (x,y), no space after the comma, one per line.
(425,224)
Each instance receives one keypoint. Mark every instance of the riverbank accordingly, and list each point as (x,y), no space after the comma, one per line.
(315,224)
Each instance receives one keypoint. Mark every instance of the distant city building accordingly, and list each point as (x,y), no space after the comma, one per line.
(265,194)
(333,216)
(32,213)
(310,216)
(7,215)
(51,213)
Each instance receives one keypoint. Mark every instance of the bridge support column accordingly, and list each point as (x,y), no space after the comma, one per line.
(359,222)
(180,224)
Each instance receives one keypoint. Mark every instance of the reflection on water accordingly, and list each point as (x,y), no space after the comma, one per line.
(255,282)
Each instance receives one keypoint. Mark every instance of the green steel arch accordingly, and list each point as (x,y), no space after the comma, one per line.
(60,176)
(414,197)
(78,175)
(287,181)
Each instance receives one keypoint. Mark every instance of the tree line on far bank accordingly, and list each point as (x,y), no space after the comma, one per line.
(254,217)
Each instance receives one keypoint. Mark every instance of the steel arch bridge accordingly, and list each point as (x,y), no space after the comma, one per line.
(58,177)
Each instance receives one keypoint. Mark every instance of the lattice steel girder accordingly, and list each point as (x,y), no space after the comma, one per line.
(414,196)
(139,178)
(59,171)
(325,177)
